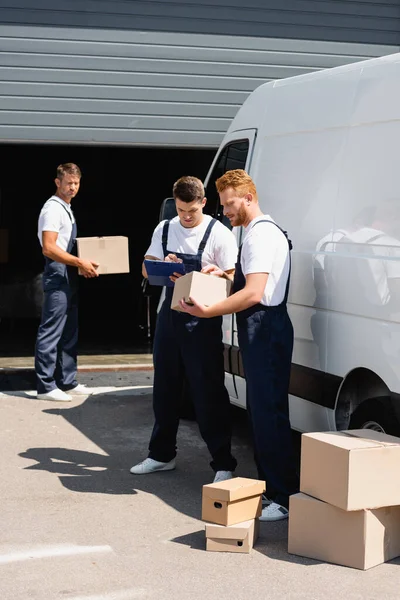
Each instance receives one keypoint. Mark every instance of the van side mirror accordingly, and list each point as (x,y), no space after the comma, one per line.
(167,210)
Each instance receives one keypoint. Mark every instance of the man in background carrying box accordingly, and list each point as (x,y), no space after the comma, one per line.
(57,338)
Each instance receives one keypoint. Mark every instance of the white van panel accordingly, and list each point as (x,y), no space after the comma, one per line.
(304,108)
(360,342)
(306,416)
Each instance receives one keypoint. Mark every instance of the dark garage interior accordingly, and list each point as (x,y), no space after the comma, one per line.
(121,192)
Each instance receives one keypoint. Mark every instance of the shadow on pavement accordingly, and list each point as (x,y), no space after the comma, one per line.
(120,424)
(272,543)
(195,540)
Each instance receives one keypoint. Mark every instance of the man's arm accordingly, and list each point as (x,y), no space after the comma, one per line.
(250,295)
(54,252)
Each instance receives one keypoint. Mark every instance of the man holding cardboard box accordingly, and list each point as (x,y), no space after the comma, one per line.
(188,346)
(265,332)
(55,353)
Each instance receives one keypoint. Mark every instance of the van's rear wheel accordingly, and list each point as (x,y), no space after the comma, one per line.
(378,414)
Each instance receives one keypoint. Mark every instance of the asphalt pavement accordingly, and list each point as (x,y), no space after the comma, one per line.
(76,525)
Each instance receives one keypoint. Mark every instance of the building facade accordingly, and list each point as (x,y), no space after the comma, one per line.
(166,73)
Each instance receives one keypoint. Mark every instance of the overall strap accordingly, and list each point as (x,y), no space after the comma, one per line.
(290,258)
(66,210)
(276,225)
(205,238)
(165,237)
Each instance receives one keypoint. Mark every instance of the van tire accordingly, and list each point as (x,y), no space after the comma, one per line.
(379,414)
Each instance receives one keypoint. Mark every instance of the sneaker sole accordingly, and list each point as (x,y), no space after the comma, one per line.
(153,471)
(270,519)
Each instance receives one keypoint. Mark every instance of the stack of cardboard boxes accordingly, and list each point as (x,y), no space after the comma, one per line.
(348,511)
(232,509)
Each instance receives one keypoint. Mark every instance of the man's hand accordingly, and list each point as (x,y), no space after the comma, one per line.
(88,268)
(213,270)
(172,258)
(175,259)
(175,276)
(195,309)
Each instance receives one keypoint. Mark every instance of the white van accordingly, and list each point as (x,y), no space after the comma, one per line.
(324,152)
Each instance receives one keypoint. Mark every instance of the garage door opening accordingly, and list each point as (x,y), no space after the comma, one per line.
(121,193)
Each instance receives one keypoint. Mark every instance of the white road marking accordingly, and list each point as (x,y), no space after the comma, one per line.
(121,595)
(51,552)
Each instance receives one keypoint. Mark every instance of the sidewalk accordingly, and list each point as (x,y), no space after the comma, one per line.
(17,373)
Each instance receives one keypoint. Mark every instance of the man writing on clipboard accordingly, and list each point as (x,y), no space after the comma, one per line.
(186,345)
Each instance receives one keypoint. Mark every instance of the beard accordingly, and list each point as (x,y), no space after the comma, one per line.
(240,218)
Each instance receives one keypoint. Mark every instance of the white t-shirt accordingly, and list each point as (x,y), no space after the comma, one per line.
(54,217)
(265,249)
(221,248)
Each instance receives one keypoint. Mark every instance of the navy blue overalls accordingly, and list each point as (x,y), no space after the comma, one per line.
(265,335)
(56,344)
(186,345)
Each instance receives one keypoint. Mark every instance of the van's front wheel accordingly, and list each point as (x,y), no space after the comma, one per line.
(378,414)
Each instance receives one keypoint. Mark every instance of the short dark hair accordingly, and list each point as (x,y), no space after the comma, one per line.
(188,189)
(68,168)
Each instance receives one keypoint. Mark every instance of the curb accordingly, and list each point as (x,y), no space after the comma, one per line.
(24,379)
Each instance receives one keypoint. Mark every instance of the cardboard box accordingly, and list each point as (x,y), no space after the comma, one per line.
(360,539)
(110,252)
(233,501)
(4,245)
(205,289)
(234,538)
(351,469)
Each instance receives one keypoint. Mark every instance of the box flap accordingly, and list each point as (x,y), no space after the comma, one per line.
(347,440)
(368,435)
(234,489)
(230,532)
(102,237)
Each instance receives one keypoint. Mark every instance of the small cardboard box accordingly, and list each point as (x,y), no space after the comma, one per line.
(4,245)
(232,501)
(205,289)
(234,538)
(351,469)
(360,539)
(111,253)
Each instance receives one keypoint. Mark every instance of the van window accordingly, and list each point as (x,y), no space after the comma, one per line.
(233,156)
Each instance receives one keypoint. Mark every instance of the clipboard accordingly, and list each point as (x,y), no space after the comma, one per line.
(159,271)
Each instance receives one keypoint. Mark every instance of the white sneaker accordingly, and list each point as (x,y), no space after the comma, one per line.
(222,476)
(150,465)
(274,512)
(80,390)
(56,395)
